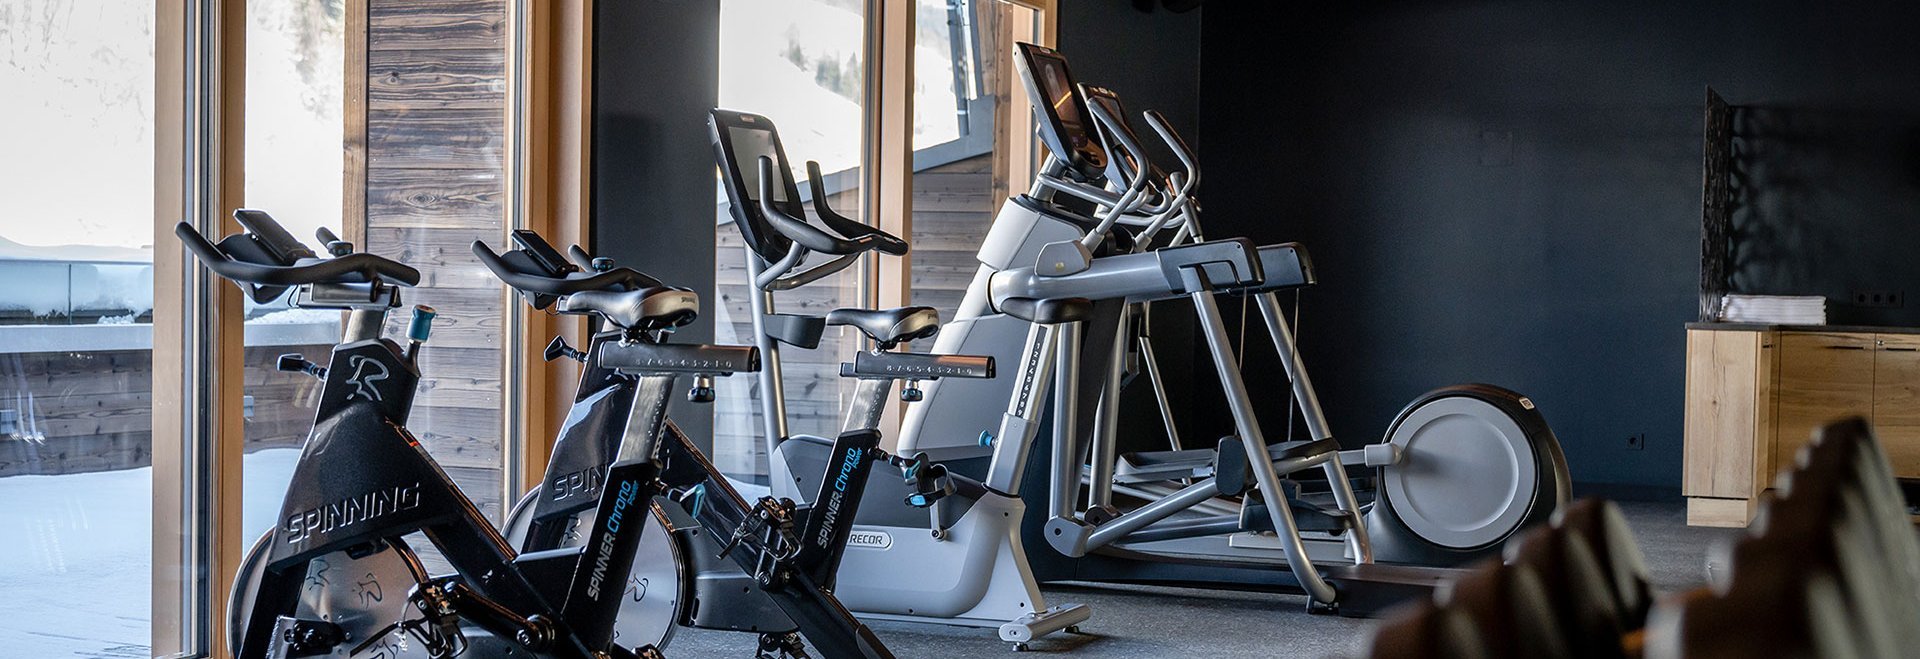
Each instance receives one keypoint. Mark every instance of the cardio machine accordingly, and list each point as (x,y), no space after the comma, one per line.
(336,577)
(679,577)
(1207,516)
(945,552)
(1462,468)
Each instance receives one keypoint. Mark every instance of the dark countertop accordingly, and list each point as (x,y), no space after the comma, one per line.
(1764,327)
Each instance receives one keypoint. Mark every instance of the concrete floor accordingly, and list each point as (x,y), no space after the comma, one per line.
(1134,621)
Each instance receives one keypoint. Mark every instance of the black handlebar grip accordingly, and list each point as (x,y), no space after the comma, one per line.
(580,258)
(799,230)
(617,279)
(884,242)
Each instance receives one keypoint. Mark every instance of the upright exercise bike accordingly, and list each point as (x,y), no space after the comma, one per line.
(954,559)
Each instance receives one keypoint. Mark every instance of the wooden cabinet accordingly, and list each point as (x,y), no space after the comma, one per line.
(1896,401)
(1729,428)
(1754,398)
(1823,376)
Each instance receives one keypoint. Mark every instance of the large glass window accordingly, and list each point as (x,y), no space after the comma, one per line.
(799,63)
(964,87)
(295,51)
(76,298)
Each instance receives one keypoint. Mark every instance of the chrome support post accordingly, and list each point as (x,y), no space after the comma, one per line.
(1066,431)
(1241,405)
(773,398)
(364,324)
(1019,424)
(869,403)
(1309,404)
(1106,424)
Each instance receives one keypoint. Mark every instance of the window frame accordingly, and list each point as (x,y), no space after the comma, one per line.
(198,423)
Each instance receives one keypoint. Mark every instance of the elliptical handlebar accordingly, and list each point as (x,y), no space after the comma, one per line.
(853,240)
(1135,193)
(1188,161)
(357,268)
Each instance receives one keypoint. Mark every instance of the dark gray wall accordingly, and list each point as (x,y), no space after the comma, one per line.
(656,75)
(1510,191)
(1153,61)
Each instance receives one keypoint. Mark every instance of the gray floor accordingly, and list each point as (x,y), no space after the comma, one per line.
(1163,622)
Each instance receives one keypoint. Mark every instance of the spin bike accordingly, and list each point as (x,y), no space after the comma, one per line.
(702,516)
(336,577)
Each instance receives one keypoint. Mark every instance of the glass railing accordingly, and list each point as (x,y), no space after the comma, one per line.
(75,292)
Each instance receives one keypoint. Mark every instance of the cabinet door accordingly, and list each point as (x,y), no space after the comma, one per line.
(1823,377)
(1896,401)
(1729,421)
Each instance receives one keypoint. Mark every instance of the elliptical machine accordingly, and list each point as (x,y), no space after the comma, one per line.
(1206,517)
(1461,468)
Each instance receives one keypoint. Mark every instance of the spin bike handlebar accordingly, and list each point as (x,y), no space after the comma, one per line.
(357,268)
(617,279)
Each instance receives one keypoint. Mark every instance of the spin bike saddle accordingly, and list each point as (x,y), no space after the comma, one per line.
(889,326)
(658,307)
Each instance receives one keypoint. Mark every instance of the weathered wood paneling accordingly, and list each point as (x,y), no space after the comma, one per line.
(444,255)
(436,139)
(436,78)
(431,24)
(437,199)
(92,411)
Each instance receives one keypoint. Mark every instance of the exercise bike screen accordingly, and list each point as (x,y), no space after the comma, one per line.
(1058,90)
(747,145)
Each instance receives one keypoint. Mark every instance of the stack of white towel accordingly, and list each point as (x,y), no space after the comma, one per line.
(1775,309)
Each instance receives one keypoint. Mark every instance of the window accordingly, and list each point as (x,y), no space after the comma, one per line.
(76,298)
(964,88)
(295,53)
(799,63)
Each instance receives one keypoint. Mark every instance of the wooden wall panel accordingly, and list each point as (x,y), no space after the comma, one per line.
(438,24)
(436,78)
(436,198)
(436,120)
(435,138)
(93,411)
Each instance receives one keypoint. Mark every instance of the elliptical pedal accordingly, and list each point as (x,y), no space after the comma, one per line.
(1309,516)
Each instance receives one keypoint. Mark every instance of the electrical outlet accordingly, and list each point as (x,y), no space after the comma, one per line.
(1637,441)
(1888,299)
